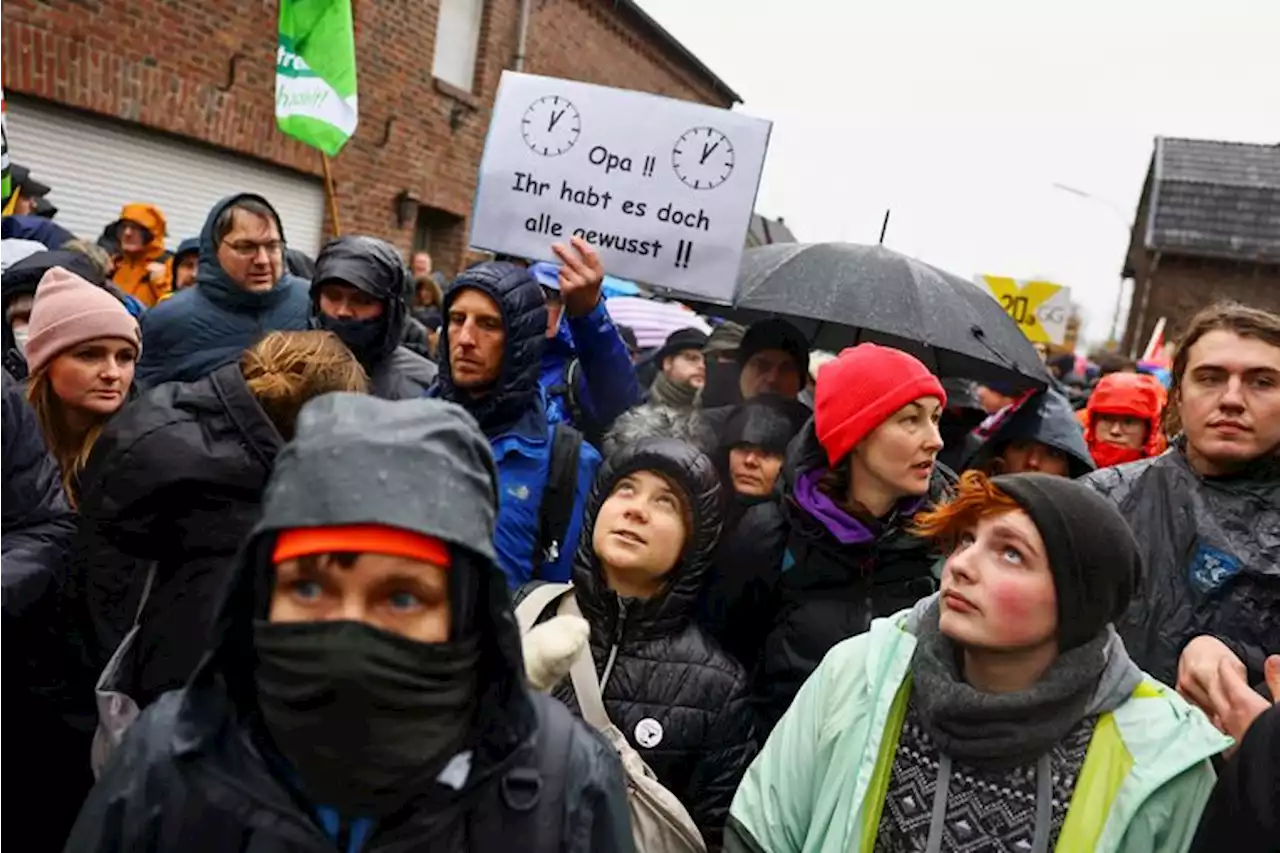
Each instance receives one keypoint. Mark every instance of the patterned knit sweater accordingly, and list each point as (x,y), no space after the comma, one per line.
(987,811)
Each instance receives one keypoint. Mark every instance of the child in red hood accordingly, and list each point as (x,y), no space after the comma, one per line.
(1122,422)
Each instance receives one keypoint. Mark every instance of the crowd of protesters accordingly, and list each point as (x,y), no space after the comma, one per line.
(351,537)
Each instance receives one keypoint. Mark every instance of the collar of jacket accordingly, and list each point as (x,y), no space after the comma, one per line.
(261,436)
(1262,471)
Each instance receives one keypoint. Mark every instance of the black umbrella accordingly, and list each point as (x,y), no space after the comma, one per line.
(841,294)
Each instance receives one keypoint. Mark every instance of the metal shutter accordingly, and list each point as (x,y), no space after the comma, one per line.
(95,167)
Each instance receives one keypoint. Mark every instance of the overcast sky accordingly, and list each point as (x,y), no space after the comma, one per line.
(960,117)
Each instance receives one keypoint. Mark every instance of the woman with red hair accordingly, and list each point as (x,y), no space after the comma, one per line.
(1122,421)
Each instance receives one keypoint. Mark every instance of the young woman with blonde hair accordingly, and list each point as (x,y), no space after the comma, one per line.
(82,346)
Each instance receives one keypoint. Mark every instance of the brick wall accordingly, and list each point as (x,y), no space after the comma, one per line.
(205,69)
(1182,286)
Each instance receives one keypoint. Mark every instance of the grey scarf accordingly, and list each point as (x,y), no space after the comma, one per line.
(1000,730)
(664,392)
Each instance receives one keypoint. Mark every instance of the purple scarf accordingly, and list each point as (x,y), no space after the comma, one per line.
(844,527)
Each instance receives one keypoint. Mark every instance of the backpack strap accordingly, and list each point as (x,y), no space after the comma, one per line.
(556,510)
(586,685)
(528,802)
(535,603)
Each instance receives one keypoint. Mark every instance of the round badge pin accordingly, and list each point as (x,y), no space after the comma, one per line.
(648,733)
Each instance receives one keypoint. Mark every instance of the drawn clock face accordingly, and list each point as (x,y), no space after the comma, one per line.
(702,158)
(551,126)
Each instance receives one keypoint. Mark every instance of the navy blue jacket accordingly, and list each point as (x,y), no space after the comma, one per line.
(513,416)
(197,330)
(606,385)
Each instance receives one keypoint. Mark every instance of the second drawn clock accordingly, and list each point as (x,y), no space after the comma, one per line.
(702,158)
(551,125)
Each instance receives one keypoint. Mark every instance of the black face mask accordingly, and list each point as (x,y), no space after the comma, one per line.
(363,337)
(367,718)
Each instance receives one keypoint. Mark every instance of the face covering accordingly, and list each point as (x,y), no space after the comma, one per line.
(1105,454)
(363,337)
(20,335)
(367,718)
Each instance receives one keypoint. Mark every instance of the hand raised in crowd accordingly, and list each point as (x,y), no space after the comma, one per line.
(1235,705)
(581,276)
(1199,667)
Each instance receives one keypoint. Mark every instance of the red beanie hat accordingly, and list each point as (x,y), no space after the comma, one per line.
(861,388)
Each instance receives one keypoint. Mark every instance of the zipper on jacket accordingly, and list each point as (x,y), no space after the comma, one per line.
(617,641)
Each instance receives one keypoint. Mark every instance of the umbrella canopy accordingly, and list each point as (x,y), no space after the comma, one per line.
(653,321)
(841,294)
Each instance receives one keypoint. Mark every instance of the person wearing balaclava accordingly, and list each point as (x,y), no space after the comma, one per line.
(358,292)
(1002,714)
(364,686)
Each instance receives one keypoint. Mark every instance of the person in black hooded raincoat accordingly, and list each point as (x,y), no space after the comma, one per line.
(1042,435)
(683,703)
(358,292)
(365,688)
(38,530)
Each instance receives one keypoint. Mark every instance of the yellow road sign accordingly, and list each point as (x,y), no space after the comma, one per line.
(1040,308)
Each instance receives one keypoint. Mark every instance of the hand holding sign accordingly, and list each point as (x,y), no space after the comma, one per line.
(581,276)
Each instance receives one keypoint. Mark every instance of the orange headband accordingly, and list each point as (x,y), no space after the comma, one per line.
(360,538)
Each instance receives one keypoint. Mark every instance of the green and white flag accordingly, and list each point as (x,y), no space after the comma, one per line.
(316,73)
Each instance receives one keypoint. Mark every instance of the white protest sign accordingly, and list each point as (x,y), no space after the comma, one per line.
(663,189)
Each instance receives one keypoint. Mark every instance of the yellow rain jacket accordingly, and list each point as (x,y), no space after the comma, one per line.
(132,275)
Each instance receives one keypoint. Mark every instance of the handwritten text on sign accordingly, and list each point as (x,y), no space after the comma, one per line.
(1040,308)
(662,188)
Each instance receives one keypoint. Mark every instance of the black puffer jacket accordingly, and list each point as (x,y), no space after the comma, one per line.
(665,668)
(38,529)
(176,478)
(374,266)
(198,772)
(826,591)
(1211,548)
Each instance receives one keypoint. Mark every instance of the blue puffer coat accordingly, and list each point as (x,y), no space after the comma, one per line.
(514,418)
(199,329)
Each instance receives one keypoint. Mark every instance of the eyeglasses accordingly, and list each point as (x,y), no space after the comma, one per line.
(249,248)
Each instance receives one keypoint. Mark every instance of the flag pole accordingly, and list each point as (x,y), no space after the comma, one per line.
(331,194)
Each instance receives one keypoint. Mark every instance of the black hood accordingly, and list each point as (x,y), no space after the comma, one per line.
(524,319)
(1047,418)
(371,265)
(768,421)
(421,465)
(694,473)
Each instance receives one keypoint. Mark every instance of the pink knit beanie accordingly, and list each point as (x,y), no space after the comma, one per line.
(69,311)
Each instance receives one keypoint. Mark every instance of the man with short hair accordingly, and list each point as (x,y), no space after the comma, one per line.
(241,292)
(491,348)
(358,292)
(682,369)
(1206,513)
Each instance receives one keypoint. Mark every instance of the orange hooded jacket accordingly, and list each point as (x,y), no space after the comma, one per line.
(1130,394)
(132,275)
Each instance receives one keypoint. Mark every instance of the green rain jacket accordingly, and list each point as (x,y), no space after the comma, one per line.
(819,784)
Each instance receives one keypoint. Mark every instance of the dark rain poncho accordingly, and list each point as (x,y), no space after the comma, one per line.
(1211,548)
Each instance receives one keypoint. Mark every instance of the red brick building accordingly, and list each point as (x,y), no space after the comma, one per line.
(172,101)
(1207,229)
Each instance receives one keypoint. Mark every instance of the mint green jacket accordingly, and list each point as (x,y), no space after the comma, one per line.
(819,784)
